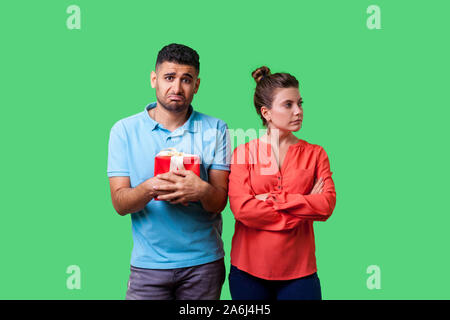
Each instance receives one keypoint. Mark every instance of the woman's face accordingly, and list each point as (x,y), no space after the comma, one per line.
(286,113)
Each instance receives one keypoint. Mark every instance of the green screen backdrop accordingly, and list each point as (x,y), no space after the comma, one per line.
(374,98)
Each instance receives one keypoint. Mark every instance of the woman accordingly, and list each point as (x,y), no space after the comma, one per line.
(278,186)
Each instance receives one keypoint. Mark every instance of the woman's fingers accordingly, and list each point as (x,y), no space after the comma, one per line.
(318,187)
(262,197)
(319,182)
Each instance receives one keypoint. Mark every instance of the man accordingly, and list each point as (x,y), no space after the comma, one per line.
(178,250)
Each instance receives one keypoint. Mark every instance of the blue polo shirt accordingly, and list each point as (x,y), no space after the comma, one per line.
(167,236)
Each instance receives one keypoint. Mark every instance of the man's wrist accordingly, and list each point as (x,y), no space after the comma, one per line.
(205,190)
(147,189)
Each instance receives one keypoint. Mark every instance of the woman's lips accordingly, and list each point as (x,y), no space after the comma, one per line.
(296,121)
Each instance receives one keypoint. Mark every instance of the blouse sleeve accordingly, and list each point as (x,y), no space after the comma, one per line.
(318,207)
(247,209)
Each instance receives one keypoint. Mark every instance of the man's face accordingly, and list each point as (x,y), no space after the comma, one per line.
(175,85)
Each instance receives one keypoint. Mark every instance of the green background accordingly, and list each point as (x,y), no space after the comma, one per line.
(376,100)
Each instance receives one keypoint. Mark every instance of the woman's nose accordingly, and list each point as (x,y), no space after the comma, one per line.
(298,110)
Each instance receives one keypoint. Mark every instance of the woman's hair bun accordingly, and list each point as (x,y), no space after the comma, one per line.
(259,73)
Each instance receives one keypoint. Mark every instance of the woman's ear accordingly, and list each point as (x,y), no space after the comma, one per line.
(265,112)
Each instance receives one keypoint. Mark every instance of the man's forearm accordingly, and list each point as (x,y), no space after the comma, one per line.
(214,199)
(128,200)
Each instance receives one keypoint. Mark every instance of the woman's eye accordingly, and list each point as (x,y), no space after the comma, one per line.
(288,104)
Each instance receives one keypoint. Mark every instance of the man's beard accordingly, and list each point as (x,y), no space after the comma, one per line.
(177,108)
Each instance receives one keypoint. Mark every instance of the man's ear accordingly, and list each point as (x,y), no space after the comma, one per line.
(197,84)
(153,79)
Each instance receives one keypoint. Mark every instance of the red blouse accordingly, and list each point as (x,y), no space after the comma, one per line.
(274,239)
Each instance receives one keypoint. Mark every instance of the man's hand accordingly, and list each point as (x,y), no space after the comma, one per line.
(181,186)
(126,199)
(149,186)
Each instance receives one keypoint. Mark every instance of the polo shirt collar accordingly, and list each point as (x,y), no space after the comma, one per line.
(189,125)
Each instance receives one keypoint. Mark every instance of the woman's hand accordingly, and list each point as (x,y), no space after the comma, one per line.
(318,187)
(262,197)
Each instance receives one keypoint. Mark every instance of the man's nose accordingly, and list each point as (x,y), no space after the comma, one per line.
(177,86)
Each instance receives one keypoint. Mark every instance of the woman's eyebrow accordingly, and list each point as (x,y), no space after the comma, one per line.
(289,100)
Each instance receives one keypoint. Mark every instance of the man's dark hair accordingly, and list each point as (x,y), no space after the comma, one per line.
(180,54)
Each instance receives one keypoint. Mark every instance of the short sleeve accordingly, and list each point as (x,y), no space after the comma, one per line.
(118,152)
(222,150)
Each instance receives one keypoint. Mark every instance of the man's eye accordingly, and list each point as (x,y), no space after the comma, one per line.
(187,80)
(169,78)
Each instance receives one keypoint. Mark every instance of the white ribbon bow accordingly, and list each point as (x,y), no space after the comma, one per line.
(176,160)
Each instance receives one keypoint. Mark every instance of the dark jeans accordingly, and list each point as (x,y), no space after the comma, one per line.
(244,286)
(202,282)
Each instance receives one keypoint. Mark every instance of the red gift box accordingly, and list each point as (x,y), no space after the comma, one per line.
(172,160)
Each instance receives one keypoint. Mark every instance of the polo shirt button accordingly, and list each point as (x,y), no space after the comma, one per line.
(279,178)
(279,187)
